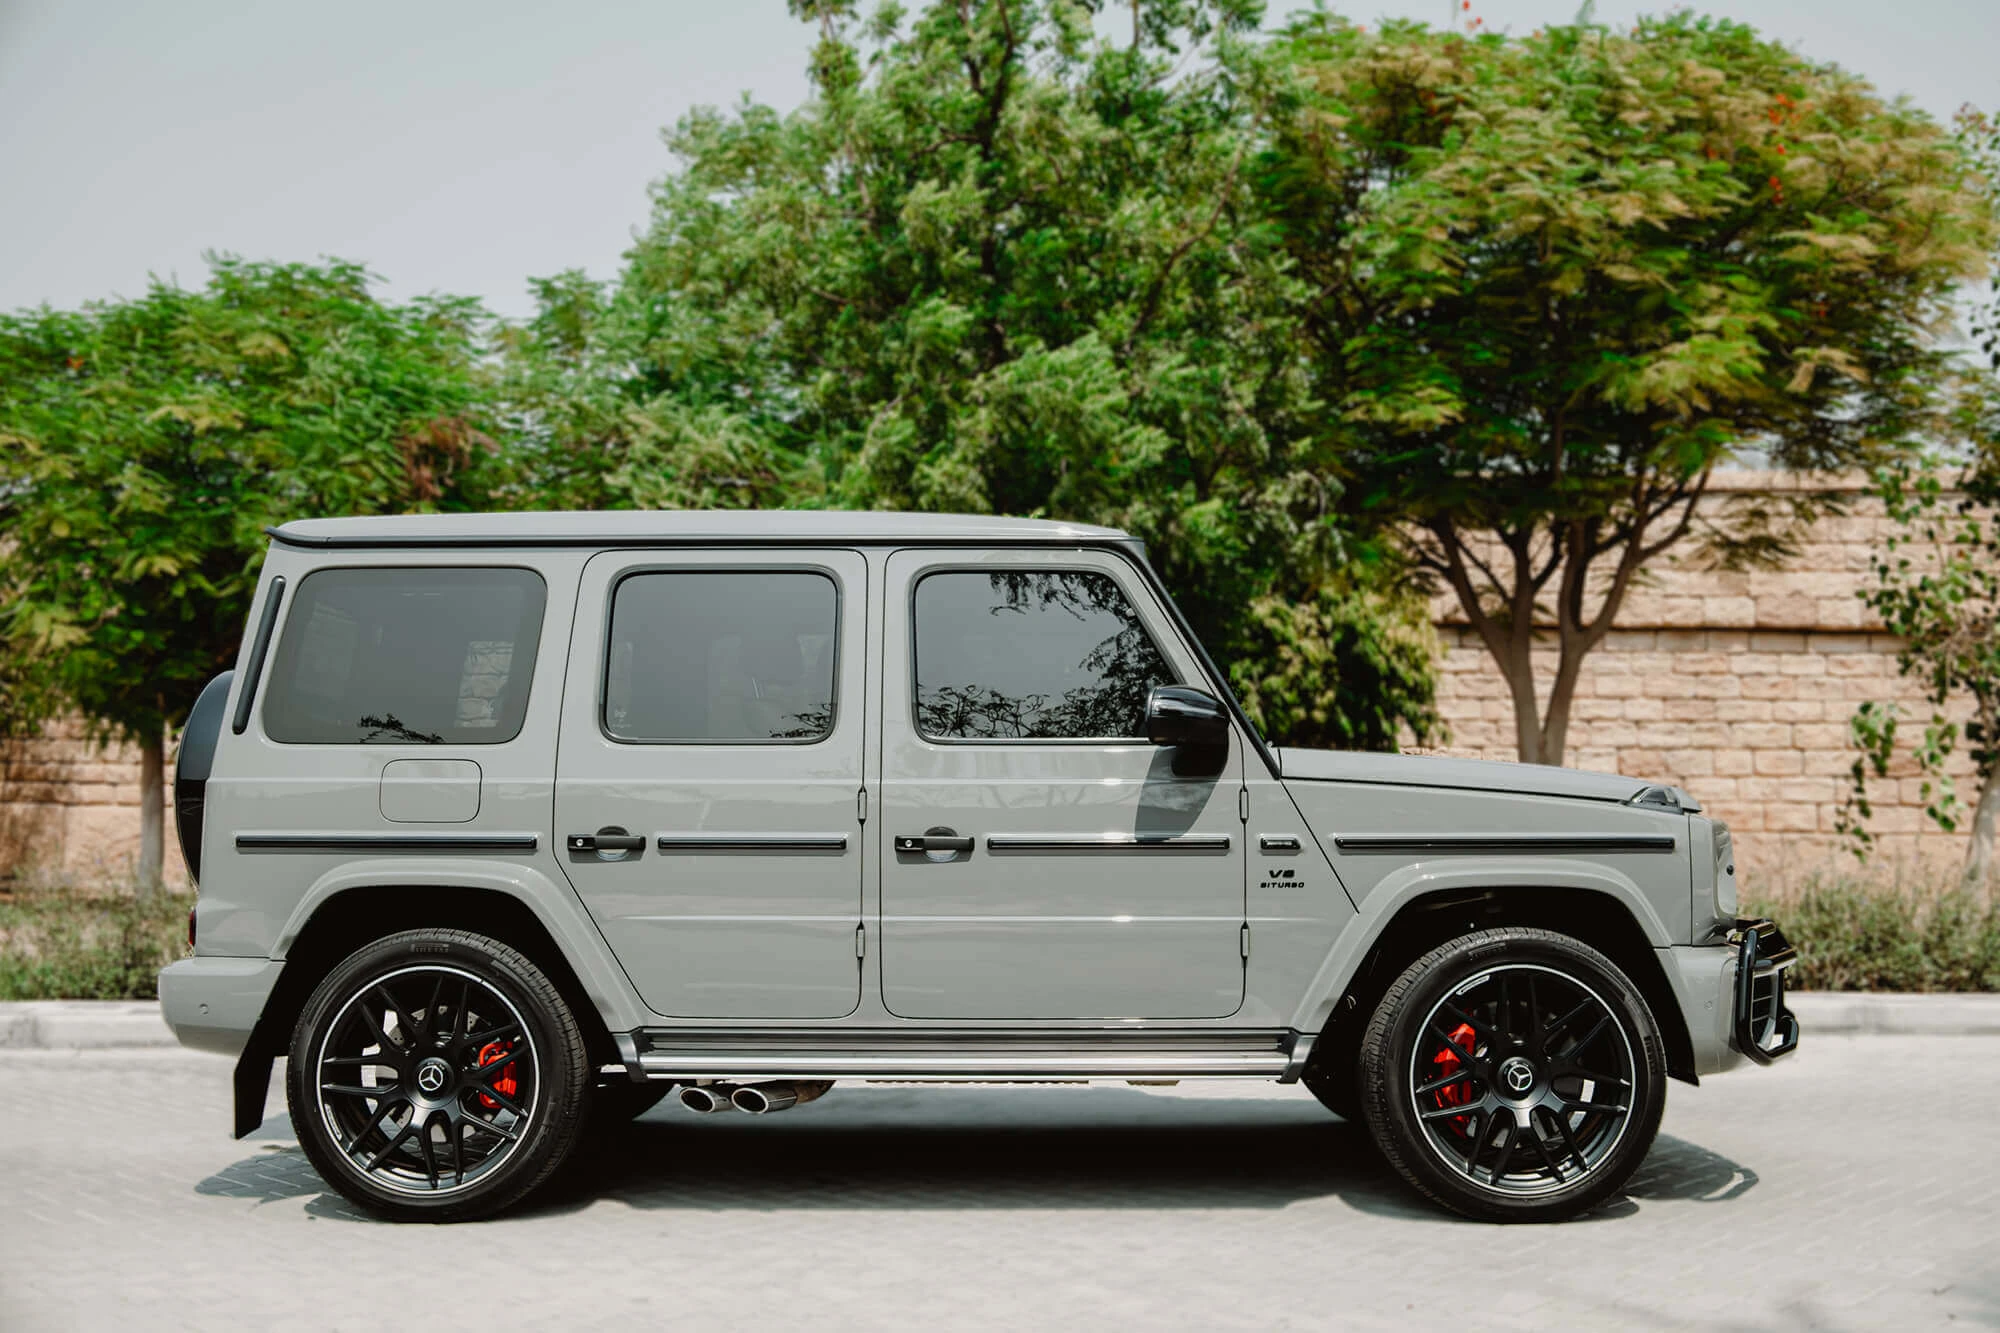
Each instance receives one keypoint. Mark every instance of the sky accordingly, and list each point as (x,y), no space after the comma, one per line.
(461,148)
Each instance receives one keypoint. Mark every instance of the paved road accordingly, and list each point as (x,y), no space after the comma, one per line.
(1857,1186)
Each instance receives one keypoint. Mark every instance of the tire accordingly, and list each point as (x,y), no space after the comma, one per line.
(1514,1075)
(438,1076)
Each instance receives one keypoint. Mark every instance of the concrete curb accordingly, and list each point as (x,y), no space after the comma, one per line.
(89,1025)
(81,1025)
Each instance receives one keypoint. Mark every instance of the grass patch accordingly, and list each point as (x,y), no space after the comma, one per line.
(1856,935)
(63,943)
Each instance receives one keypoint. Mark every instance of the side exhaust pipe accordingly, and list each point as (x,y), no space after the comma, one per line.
(708,1098)
(764,1098)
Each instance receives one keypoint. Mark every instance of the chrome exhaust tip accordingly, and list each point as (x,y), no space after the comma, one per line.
(764,1098)
(708,1098)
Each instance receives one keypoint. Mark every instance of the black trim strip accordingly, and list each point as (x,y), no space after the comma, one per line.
(1371,844)
(258,647)
(387,842)
(752,842)
(1114,844)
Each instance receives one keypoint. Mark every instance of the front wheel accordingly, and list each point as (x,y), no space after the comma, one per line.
(1514,1075)
(437,1075)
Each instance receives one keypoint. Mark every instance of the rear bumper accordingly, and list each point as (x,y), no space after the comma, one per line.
(212,1004)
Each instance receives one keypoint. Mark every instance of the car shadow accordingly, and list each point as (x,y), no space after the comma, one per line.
(910,1148)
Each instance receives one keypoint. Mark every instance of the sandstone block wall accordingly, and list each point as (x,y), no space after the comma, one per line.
(1737,687)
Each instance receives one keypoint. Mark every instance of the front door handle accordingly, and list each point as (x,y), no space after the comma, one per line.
(933,840)
(609,839)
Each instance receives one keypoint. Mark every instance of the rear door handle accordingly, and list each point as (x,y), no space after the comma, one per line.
(933,840)
(606,840)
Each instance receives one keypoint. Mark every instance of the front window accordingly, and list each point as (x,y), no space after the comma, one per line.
(1031,655)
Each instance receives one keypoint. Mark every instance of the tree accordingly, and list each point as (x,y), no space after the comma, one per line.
(1937,587)
(1003,264)
(144,446)
(1558,280)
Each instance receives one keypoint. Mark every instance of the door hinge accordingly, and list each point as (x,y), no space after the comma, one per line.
(1243,804)
(861,806)
(1244,937)
(861,941)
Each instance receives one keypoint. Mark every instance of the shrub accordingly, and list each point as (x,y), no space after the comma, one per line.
(1855,934)
(60,942)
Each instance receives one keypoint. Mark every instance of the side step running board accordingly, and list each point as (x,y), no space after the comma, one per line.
(741,1055)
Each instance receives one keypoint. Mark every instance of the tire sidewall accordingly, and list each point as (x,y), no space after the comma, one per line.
(1387,1059)
(561,1072)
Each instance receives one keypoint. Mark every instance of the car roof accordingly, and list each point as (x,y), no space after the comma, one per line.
(633,527)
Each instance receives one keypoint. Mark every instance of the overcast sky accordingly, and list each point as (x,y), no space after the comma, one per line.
(462,147)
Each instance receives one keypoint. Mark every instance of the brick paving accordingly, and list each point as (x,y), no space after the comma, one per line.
(1815,1195)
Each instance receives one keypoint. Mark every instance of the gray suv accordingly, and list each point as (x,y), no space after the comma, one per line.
(507,825)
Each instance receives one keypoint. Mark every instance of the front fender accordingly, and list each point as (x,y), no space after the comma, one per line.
(1410,881)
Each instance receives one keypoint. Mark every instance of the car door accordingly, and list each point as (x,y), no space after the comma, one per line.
(1040,859)
(709,773)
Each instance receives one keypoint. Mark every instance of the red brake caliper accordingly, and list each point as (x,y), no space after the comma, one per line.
(506,1085)
(1447,1061)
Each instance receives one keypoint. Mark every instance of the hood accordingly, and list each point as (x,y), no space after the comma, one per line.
(1413,770)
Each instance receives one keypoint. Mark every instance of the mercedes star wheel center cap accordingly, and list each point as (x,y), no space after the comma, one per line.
(1517,1074)
(432,1075)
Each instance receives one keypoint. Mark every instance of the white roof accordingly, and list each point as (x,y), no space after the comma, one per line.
(638,527)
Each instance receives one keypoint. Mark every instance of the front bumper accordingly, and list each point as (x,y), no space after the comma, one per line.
(1761,1027)
(212,1003)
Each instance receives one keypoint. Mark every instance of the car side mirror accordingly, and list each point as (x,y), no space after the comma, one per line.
(1181,715)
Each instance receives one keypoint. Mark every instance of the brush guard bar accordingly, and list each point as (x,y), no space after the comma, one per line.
(1763,1028)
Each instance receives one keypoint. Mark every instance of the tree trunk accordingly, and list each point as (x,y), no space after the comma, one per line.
(152,814)
(1979,856)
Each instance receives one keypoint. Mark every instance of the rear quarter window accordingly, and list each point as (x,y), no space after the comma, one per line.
(406,657)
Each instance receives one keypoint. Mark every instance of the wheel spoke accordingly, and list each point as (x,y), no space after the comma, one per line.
(1479,1029)
(1596,1031)
(492,1127)
(1569,1142)
(1535,1134)
(1475,1140)
(427,1029)
(1602,1108)
(1467,1060)
(486,1073)
(382,1025)
(461,1017)
(355,1090)
(1445,1080)
(505,1101)
(499,1032)
(395,1142)
(424,1146)
(1447,1112)
(1505,1021)
(1506,1152)
(1562,1024)
(458,1152)
(363,1060)
(382,1108)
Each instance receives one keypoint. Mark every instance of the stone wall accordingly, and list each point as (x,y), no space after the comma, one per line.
(1737,687)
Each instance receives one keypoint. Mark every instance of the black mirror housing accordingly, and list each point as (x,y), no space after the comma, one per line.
(1182,715)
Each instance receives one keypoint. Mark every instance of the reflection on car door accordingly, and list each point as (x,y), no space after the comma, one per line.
(1097,882)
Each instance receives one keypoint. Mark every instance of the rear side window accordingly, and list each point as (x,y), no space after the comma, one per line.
(723,657)
(1031,655)
(406,657)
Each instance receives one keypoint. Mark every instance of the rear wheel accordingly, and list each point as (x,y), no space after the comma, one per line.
(1514,1075)
(437,1075)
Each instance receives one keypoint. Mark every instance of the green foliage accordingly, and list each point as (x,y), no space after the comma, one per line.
(58,943)
(1937,586)
(1858,935)
(1323,672)
(999,264)
(145,444)
(1558,279)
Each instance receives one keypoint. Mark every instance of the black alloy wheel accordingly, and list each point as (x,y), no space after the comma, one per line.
(437,1075)
(1514,1075)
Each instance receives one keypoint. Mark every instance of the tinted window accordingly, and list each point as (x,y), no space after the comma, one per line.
(406,656)
(1032,656)
(732,657)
